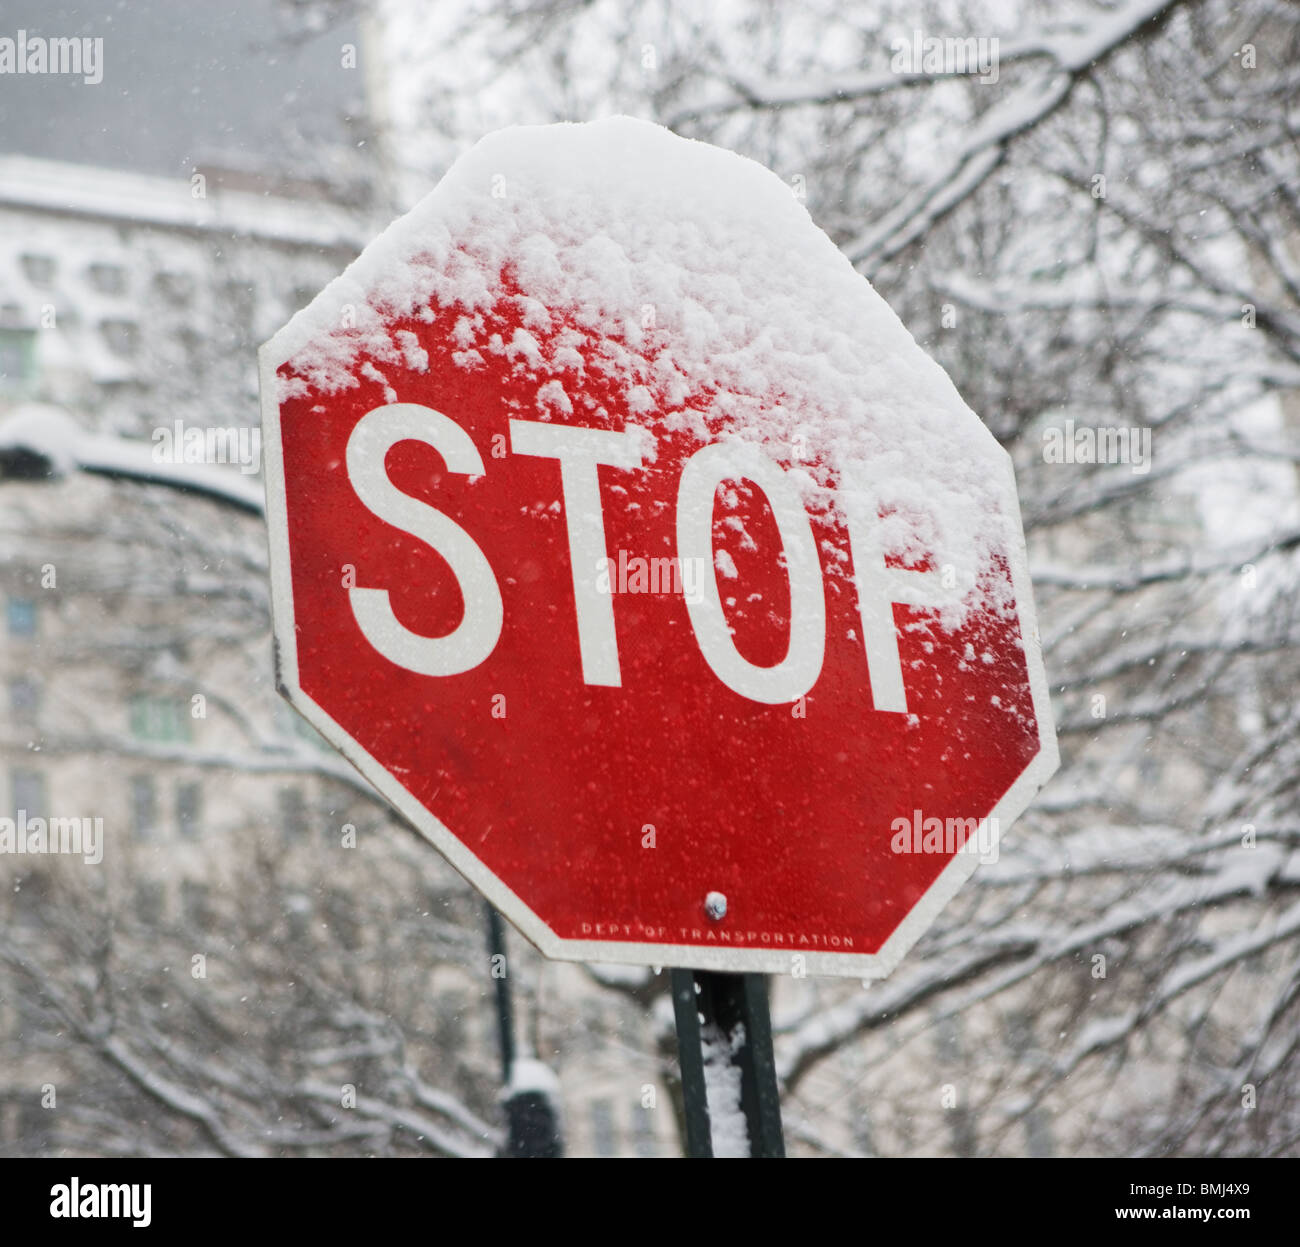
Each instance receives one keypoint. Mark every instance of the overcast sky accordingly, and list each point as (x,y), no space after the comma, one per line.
(182,84)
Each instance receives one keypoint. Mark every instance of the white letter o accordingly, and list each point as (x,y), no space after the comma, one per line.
(797,672)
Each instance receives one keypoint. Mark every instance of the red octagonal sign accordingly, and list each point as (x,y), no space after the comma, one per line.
(626,541)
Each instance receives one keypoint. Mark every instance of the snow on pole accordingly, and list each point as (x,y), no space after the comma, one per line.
(730,1099)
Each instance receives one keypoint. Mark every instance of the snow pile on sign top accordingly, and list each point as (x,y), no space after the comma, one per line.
(694,278)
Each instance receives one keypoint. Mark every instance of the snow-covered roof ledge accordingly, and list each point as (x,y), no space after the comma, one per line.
(112,194)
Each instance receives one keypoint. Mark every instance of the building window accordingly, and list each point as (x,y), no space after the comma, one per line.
(28,788)
(175,287)
(863,1138)
(290,723)
(35,1127)
(293,813)
(1021,1041)
(24,700)
(149,901)
(31,904)
(189,806)
(297,909)
(449,1010)
(107,278)
(592,1015)
(17,358)
(144,808)
(309,733)
(38,269)
(643,1132)
(602,1128)
(160,718)
(341,916)
(20,617)
(194,903)
(122,337)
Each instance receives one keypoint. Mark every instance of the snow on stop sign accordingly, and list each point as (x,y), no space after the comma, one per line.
(626,541)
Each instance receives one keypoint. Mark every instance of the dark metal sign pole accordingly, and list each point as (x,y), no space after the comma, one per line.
(496,933)
(712,1005)
(708,1005)
(532,1127)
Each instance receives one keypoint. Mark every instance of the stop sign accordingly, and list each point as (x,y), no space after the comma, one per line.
(626,541)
